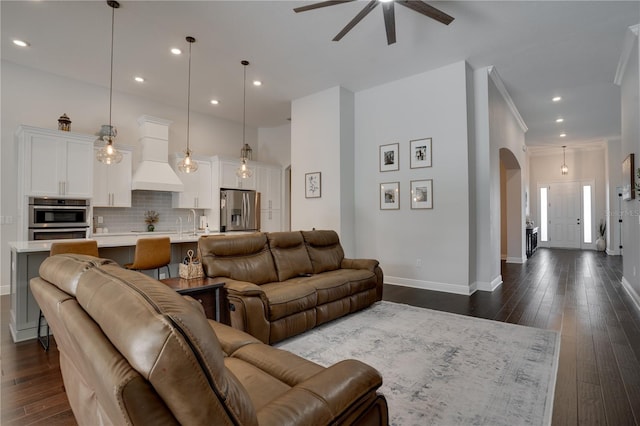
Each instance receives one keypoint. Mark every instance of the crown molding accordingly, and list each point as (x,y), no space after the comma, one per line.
(627,47)
(495,77)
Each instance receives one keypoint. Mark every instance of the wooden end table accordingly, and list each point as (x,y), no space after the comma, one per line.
(209,292)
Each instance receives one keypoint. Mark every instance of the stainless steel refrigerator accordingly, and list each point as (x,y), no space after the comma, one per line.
(239,210)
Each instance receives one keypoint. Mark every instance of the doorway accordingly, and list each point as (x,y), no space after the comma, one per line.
(566,215)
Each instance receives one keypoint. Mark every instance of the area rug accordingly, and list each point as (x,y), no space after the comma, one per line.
(444,369)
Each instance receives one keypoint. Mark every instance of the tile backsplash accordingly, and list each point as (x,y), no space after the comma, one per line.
(120,219)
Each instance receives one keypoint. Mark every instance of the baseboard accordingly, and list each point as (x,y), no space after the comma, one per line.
(613,252)
(631,292)
(516,259)
(430,285)
(4,290)
(489,286)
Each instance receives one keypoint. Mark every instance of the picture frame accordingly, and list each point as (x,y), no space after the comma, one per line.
(628,181)
(420,153)
(422,194)
(389,157)
(390,196)
(313,185)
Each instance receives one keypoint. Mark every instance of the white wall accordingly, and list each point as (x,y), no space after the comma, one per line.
(431,104)
(274,145)
(630,91)
(613,160)
(38,99)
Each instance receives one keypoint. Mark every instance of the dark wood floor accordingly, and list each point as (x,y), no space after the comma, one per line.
(577,293)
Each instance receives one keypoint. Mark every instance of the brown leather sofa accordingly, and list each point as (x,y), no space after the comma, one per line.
(281,284)
(134,352)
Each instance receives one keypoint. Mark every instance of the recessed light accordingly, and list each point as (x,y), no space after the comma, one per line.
(559,120)
(20,43)
(214,102)
(257,83)
(556,99)
(139,79)
(176,51)
(563,135)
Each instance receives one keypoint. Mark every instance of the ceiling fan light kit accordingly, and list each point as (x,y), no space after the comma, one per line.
(388,13)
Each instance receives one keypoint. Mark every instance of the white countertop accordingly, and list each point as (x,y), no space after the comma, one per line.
(108,240)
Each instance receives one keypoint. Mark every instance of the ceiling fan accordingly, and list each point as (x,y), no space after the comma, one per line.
(389,16)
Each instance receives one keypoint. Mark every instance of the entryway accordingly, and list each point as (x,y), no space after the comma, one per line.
(566,215)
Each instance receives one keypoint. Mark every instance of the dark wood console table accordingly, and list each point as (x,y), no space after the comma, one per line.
(207,291)
(532,240)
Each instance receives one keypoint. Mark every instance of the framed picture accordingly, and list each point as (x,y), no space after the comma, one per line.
(420,151)
(422,194)
(313,185)
(628,184)
(390,196)
(389,159)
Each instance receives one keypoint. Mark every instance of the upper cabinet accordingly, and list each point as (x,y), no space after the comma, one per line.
(269,186)
(198,188)
(112,183)
(55,163)
(229,179)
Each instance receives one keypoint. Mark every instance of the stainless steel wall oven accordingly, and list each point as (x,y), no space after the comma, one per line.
(58,218)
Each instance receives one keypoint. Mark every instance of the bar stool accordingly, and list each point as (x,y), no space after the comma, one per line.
(151,253)
(88,247)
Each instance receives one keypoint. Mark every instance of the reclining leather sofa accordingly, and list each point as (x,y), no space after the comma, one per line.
(281,284)
(134,352)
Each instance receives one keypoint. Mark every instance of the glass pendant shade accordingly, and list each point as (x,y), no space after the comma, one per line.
(108,154)
(244,171)
(246,152)
(564,168)
(188,164)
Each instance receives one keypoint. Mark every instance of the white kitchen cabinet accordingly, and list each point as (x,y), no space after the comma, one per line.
(270,220)
(112,183)
(229,179)
(269,184)
(55,163)
(197,192)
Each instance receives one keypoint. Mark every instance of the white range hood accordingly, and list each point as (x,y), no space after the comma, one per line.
(154,172)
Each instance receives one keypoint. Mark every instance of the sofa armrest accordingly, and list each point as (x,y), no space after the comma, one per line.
(325,397)
(369,264)
(243,288)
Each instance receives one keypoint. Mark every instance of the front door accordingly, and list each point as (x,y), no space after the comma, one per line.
(564,215)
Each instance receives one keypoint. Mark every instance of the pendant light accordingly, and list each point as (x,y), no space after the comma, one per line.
(244,171)
(564,168)
(108,154)
(188,164)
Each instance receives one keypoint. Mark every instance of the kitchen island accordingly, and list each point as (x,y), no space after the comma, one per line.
(26,257)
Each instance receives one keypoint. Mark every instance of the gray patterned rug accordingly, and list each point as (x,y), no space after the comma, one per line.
(444,369)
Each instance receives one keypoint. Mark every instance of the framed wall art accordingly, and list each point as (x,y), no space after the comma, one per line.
(390,196)
(389,158)
(628,184)
(422,194)
(313,185)
(420,151)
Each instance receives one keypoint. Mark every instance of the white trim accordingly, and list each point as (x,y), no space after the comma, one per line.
(4,290)
(627,48)
(631,292)
(431,285)
(516,259)
(614,252)
(485,286)
(495,77)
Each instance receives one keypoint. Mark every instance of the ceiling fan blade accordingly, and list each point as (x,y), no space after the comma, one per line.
(364,12)
(430,11)
(320,4)
(389,22)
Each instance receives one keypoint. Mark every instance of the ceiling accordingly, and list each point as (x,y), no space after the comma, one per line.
(540,49)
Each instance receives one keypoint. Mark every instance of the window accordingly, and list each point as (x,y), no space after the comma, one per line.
(586,214)
(543,214)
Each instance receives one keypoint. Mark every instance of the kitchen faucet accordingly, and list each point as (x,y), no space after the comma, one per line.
(194,221)
(179,226)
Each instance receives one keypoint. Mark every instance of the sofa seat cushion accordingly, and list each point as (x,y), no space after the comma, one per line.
(329,286)
(287,298)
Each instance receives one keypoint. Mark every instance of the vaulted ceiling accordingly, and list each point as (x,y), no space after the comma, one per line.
(540,49)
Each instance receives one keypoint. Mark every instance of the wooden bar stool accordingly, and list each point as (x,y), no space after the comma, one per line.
(151,253)
(88,247)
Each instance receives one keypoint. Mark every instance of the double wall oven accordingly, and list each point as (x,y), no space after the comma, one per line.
(58,218)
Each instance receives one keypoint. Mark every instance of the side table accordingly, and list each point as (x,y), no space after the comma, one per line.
(531,240)
(209,292)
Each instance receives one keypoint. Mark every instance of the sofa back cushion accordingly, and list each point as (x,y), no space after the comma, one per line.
(165,339)
(244,257)
(289,254)
(324,250)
